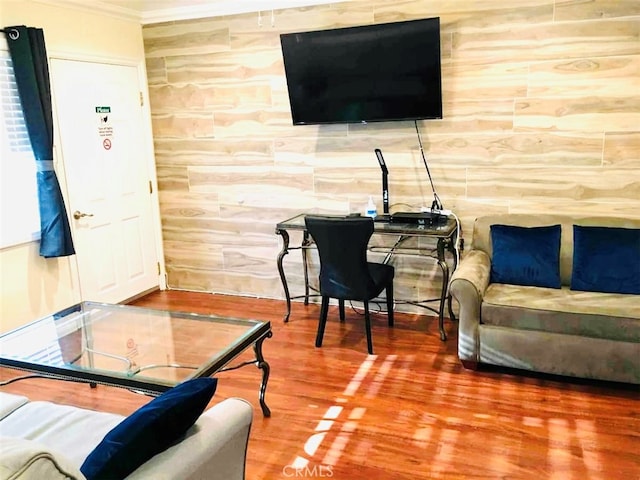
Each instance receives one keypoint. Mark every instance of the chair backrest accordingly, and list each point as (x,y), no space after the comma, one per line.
(342,247)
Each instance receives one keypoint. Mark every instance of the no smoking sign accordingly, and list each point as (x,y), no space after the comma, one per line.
(105,130)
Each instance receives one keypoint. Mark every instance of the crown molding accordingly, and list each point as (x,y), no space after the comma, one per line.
(221,8)
(97,7)
(214,8)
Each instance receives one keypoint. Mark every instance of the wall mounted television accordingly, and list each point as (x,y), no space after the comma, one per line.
(371,73)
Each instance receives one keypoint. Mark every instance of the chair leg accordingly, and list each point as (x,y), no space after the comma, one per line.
(390,304)
(341,308)
(367,324)
(324,308)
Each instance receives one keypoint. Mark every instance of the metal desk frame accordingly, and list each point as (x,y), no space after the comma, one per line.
(445,234)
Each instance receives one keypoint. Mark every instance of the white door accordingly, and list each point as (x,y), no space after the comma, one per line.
(100,134)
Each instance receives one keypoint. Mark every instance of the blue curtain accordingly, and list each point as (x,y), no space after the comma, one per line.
(29,57)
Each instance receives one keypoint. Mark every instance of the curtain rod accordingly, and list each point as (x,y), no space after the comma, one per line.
(11,33)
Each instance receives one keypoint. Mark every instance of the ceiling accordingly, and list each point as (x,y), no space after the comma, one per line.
(156,11)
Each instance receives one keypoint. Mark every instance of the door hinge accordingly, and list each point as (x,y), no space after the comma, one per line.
(150,187)
(141,99)
(159,271)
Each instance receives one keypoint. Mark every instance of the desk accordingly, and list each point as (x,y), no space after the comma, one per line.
(445,235)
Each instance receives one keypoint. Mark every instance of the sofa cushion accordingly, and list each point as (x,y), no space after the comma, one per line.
(560,354)
(606,259)
(526,255)
(481,239)
(604,315)
(60,426)
(150,430)
(22,459)
(10,402)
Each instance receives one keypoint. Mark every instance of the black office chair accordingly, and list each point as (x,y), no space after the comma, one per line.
(345,273)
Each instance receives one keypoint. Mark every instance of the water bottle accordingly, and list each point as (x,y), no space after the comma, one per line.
(371,210)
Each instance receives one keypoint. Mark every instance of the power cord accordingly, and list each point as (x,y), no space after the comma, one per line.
(456,246)
(447,213)
(377,310)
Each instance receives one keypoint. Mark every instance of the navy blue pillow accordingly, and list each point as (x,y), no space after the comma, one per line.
(606,259)
(149,430)
(526,255)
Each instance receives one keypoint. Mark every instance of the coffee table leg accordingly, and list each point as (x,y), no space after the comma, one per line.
(264,366)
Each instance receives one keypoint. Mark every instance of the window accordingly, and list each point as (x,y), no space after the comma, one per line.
(19,216)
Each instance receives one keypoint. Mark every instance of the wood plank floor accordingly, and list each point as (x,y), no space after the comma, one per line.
(409,412)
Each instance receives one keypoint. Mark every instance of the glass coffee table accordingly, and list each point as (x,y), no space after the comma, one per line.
(137,348)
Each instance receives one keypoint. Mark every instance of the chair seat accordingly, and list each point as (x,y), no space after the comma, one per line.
(336,286)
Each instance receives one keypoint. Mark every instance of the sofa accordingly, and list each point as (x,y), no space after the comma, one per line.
(41,440)
(567,329)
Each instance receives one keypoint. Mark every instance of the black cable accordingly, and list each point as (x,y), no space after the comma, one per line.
(437,204)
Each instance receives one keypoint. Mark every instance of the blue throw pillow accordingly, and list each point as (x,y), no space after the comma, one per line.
(526,255)
(606,259)
(148,431)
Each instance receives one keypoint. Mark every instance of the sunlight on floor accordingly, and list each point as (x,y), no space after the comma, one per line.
(440,435)
(326,423)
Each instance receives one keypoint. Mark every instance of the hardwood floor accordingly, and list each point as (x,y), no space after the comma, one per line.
(409,412)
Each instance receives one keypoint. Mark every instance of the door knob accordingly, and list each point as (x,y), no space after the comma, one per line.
(78,215)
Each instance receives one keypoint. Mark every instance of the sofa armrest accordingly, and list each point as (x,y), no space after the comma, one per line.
(467,286)
(471,278)
(215,448)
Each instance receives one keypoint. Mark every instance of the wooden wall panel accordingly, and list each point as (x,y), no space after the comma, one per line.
(197,37)
(225,68)
(186,152)
(177,204)
(238,180)
(183,125)
(622,149)
(156,72)
(459,15)
(586,77)
(518,149)
(541,114)
(547,41)
(172,178)
(201,256)
(587,114)
(577,184)
(572,10)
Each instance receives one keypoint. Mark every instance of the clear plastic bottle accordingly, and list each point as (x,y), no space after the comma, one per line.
(371,210)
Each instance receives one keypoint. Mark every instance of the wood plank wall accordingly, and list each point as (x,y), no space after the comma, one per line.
(541,114)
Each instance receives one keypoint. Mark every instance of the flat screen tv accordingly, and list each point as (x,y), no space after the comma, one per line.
(371,73)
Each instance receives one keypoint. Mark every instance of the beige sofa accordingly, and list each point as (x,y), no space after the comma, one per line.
(44,440)
(558,331)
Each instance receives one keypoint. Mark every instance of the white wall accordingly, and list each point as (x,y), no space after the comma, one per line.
(31,286)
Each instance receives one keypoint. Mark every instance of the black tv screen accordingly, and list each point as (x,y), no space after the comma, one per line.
(371,73)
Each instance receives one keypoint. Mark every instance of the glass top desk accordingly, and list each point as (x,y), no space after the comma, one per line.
(445,234)
(133,347)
